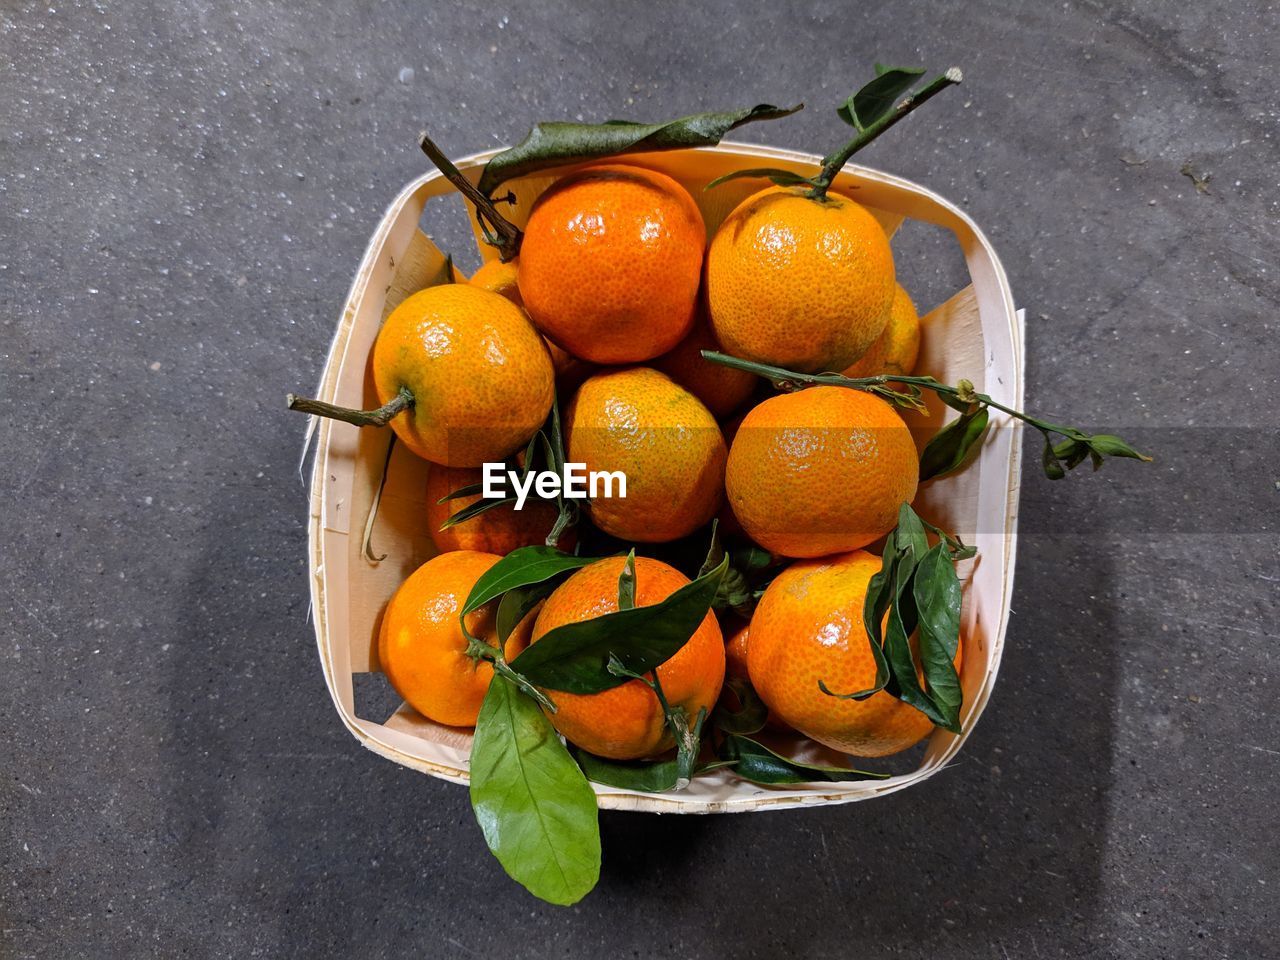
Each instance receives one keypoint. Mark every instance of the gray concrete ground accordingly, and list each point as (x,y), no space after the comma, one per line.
(185,189)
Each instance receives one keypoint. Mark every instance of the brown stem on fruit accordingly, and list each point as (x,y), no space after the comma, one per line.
(498,230)
(361,418)
(832,164)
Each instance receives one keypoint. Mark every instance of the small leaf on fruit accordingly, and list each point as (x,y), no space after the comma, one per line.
(937,599)
(519,568)
(574,657)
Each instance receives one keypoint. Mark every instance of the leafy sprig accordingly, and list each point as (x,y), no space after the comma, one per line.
(918,589)
(531,796)
(949,449)
(871,110)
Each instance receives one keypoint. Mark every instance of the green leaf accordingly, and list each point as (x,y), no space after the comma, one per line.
(574,657)
(949,448)
(557,143)
(715,550)
(647,777)
(534,806)
(937,599)
(910,533)
(955,403)
(627,583)
(553,445)
(474,510)
(470,490)
(755,762)
(903,681)
(880,96)
(751,559)
(1071,452)
(516,604)
(957,548)
(783,178)
(878,599)
(1052,468)
(1106,445)
(751,714)
(520,568)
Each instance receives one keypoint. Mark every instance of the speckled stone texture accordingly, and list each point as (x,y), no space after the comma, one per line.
(185,190)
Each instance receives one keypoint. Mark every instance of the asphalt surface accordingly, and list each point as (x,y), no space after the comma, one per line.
(185,190)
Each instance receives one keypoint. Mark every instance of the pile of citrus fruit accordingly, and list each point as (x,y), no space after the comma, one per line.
(612,298)
(764,575)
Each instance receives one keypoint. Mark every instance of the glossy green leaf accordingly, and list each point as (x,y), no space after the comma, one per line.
(751,559)
(534,806)
(749,717)
(470,490)
(574,657)
(516,604)
(949,448)
(557,143)
(879,96)
(909,533)
(783,178)
(904,682)
(755,762)
(519,568)
(646,776)
(875,605)
(474,510)
(552,437)
(937,594)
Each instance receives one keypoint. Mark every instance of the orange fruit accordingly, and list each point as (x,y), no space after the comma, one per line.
(896,350)
(611,262)
(498,530)
(501,279)
(799,283)
(421,646)
(820,471)
(626,722)
(660,436)
(807,628)
(480,375)
(735,653)
(721,389)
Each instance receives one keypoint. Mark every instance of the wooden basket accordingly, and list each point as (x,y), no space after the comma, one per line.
(975,334)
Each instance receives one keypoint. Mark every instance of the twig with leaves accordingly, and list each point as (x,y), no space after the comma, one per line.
(950,446)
